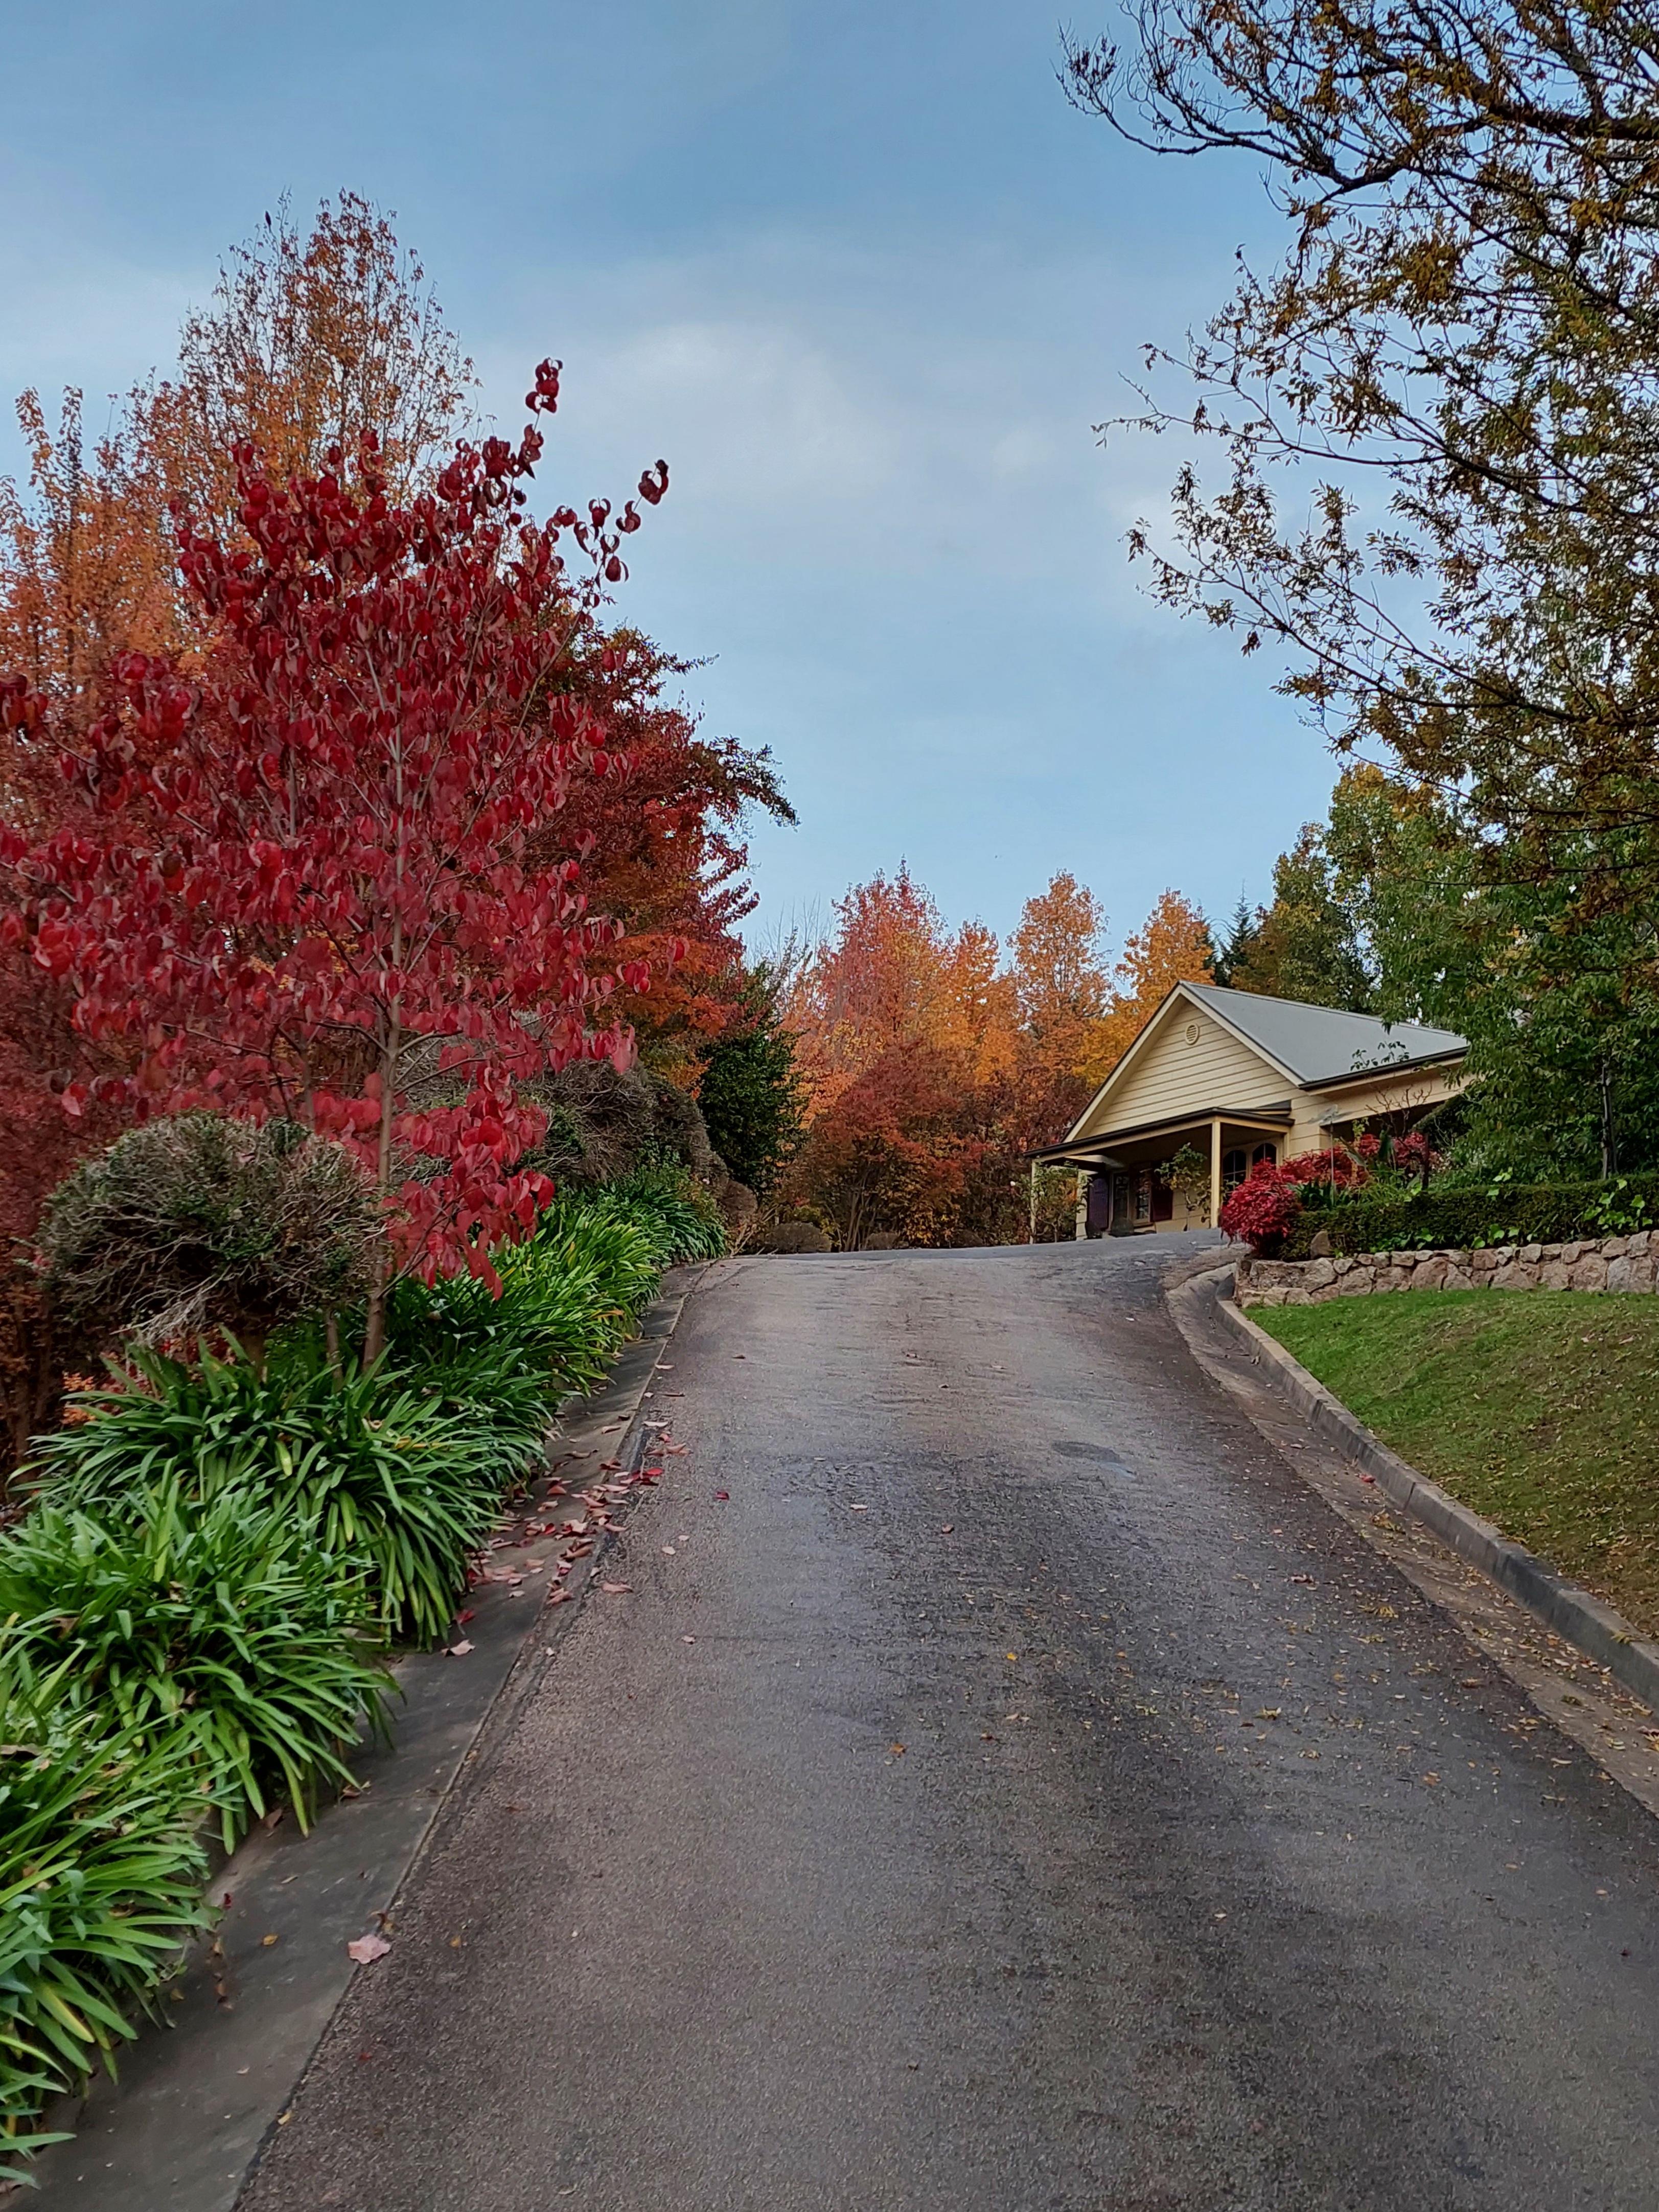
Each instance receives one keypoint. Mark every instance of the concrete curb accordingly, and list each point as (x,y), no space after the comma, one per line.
(183,2125)
(1573,1614)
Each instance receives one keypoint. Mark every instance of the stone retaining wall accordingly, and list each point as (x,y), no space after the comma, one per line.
(1608,1263)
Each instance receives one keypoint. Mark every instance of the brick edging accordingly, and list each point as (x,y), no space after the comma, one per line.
(1573,1614)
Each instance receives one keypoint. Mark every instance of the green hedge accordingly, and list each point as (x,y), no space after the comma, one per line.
(1471,1218)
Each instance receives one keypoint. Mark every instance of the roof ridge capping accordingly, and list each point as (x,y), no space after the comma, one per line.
(1323,1044)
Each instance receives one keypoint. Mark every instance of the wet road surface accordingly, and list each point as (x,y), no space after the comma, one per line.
(1020,1794)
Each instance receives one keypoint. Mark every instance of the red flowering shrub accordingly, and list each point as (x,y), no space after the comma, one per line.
(1263,1209)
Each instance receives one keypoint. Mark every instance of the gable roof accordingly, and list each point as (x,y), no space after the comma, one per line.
(1314,1045)
(1322,1044)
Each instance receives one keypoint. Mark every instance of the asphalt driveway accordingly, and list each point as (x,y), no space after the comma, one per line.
(1005,1788)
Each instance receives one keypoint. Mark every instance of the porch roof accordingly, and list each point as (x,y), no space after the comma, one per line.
(1096,1151)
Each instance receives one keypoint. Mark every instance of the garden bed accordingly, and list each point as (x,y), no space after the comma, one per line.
(196,1615)
(1540,1413)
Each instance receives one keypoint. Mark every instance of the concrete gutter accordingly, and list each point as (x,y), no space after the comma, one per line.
(184,2124)
(1573,1614)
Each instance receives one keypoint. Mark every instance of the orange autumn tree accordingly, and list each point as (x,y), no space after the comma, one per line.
(891,976)
(1058,971)
(1060,977)
(311,340)
(1173,946)
(906,1037)
(306,339)
(935,1071)
(86,568)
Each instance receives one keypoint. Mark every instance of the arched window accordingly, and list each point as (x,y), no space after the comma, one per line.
(1268,1152)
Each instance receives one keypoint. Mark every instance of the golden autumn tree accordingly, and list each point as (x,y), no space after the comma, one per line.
(1172,946)
(890,975)
(1058,972)
(312,342)
(87,566)
(907,1046)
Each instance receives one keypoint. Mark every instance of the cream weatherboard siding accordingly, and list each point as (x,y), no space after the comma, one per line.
(1213,1061)
(1389,1091)
(1171,1076)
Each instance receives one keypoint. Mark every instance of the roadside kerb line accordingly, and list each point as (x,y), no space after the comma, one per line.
(1572,1614)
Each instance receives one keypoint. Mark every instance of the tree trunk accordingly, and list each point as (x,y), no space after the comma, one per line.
(1609,1132)
(374,1327)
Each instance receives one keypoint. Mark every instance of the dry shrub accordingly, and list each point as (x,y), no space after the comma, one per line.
(198,1222)
(603,1124)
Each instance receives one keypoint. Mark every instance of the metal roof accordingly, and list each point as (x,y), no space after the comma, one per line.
(1320,1045)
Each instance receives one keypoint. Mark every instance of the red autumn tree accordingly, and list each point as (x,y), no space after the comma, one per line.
(667,858)
(316,883)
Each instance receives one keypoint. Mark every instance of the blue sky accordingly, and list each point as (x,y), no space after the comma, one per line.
(858,271)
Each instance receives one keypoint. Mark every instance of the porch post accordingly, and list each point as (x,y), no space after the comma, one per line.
(1082,1226)
(1032,1238)
(1215,1173)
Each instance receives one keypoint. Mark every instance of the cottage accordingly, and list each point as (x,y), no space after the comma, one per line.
(1241,1078)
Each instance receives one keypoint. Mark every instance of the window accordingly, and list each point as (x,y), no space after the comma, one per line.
(1234,1167)
(1268,1152)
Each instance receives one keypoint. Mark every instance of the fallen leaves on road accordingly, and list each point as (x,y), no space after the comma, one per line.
(459,1651)
(265,1941)
(366,1949)
(897,1750)
(948,1529)
(722,1495)
(617,1590)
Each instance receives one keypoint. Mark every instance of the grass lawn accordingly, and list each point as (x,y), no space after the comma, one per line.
(1538,1409)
